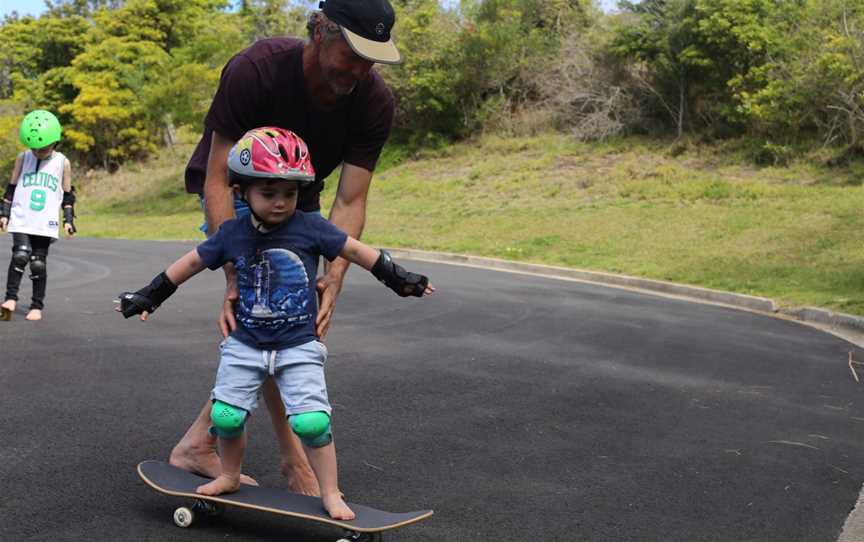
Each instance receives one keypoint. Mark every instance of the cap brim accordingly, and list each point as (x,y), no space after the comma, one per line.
(383,52)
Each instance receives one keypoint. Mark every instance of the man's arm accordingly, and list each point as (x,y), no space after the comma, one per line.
(349,215)
(219,207)
(349,207)
(218,196)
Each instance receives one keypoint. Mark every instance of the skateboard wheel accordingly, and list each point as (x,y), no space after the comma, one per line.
(183,517)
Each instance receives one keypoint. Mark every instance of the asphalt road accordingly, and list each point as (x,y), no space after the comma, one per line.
(519,408)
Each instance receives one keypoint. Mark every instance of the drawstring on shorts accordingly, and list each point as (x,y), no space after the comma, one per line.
(270,360)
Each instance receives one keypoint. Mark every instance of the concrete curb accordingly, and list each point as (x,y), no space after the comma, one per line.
(845,326)
(853,527)
(828,318)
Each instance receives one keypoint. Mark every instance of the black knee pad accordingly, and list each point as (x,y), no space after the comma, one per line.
(38,267)
(20,257)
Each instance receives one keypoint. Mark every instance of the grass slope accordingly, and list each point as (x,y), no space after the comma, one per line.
(698,218)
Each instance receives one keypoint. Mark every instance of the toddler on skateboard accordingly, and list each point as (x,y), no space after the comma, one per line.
(275,250)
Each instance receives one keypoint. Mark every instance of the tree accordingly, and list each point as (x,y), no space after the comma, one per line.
(272,18)
(661,40)
(741,39)
(816,88)
(426,84)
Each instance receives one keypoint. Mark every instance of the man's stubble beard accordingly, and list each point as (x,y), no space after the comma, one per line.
(326,73)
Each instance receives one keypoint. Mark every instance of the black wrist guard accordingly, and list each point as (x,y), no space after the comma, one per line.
(148,298)
(5,209)
(395,277)
(68,217)
(69,197)
(10,192)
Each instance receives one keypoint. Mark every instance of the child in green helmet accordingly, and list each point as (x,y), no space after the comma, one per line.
(41,185)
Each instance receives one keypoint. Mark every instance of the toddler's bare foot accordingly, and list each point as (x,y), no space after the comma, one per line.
(336,507)
(34,315)
(9,304)
(222,484)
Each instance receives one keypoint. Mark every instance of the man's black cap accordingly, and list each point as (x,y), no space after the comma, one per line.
(366,25)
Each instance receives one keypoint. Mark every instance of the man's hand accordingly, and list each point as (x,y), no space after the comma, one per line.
(227,322)
(329,286)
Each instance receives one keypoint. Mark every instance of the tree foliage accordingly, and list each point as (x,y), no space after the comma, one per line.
(124,74)
(121,75)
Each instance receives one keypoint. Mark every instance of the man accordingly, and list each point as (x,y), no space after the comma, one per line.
(325,90)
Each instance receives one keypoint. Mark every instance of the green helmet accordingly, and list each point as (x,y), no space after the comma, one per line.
(39,129)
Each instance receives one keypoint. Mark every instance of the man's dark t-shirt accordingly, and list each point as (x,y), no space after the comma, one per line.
(264,85)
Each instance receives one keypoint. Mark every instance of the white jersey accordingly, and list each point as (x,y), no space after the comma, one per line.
(38,196)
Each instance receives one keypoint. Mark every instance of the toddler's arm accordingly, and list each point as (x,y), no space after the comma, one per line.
(6,201)
(393,275)
(68,200)
(147,299)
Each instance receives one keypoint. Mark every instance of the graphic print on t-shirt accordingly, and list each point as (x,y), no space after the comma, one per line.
(274,289)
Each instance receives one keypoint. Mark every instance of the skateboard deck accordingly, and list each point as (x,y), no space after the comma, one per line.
(170,480)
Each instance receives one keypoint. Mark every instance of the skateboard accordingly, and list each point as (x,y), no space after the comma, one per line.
(5,315)
(368,526)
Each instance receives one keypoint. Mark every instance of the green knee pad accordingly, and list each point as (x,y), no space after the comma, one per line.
(228,420)
(313,428)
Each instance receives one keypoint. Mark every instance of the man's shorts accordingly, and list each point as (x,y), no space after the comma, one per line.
(298,372)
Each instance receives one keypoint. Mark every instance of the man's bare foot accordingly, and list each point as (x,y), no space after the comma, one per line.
(202,460)
(9,304)
(222,484)
(34,315)
(336,507)
(301,479)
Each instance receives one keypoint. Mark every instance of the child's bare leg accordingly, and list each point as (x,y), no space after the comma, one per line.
(323,461)
(231,454)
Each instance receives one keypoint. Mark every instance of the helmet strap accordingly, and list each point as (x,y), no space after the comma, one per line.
(260,224)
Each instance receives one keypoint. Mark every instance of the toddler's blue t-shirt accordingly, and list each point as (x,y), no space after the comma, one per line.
(276,273)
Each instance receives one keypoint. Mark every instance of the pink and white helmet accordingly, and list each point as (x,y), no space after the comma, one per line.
(269,153)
